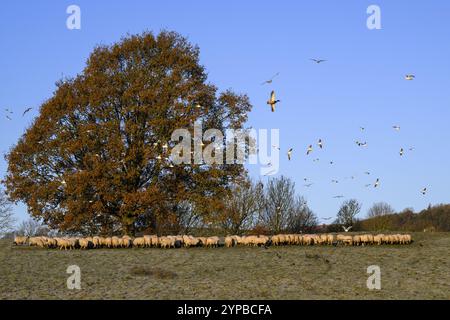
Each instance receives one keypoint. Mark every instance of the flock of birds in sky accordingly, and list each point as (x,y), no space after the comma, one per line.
(9,113)
(273,101)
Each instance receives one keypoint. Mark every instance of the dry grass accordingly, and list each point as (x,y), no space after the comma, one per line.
(418,271)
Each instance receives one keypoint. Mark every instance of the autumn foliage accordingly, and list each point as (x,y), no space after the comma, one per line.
(95,160)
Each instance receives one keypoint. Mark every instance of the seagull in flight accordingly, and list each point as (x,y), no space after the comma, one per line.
(316,160)
(368,185)
(320,144)
(328,218)
(309,150)
(308,185)
(361,144)
(272,101)
(377,183)
(402,152)
(318,60)
(397,128)
(270,80)
(8,117)
(424,191)
(412,149)
(367,172)
(270,172)
(289,153)
(338,197)
(346,229)
(9,111)
(334,181)
(26,111)
(409,77)
(362,128)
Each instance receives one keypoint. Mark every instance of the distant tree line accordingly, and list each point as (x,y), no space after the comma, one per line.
(434,218)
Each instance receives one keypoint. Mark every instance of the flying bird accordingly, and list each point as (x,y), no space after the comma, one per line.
(272,101)
(409,77)
(316,160)
(270,80)
(8,117)
(328,218)
(270,172)
(402,152)
(334,181)
(331,162)
(368,185)
(308,185)
(320,144)
(276,147)
(397,128)
(289,153)
(309,150)
(318,60)
(26,111)
(9,111)
(424,191)
(361,144)
(362,128)
(338,197)
(346,229)
(412,149)
(367,172)
(377,183)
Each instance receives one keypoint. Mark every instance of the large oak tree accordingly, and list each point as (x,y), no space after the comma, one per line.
(95,159)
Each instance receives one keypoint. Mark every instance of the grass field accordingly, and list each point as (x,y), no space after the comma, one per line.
(417,271)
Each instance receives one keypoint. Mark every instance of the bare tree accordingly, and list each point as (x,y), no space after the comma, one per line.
(188,218)
(241,207)
(380,209)
(349,209)
(6,214)
(277,203)
(32,228)
(302,218)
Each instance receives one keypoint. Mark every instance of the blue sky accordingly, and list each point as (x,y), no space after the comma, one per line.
(245,42)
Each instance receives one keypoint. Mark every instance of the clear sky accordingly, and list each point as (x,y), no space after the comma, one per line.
(244,43)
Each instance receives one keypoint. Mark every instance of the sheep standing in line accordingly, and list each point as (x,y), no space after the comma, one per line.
(188,241)
(19,241)
(212,242)
(85,243)
(230,241)
(139,242)
(167,242)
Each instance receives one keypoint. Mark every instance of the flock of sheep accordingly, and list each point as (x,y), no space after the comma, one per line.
(153,241)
